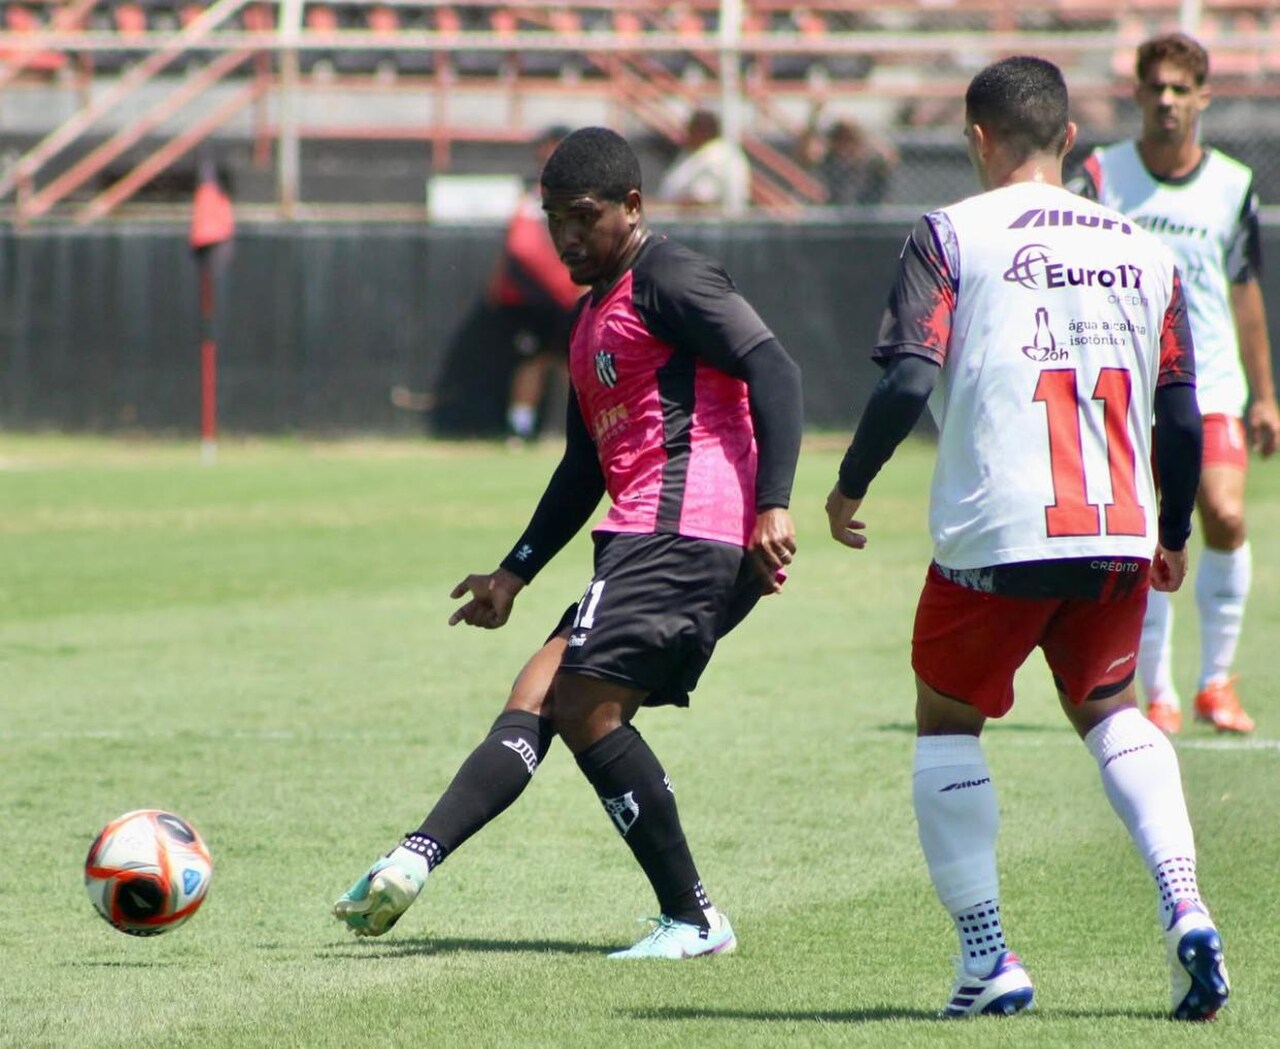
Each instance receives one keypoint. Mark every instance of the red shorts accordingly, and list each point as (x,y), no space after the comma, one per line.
(968,644)
(1225,442)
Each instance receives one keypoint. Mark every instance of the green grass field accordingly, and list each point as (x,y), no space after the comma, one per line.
(261,646)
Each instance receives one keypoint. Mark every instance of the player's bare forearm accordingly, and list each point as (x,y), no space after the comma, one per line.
(1255,355)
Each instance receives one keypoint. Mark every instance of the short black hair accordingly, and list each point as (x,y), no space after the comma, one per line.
(1022,101)
(593,160)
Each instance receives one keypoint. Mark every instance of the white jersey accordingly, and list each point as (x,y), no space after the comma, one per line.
(1054,319)
(1204,219)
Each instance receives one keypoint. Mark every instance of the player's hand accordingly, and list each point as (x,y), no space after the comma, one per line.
(492,596)
(773,545)
(1168,569)
(1264,427)
(845,528)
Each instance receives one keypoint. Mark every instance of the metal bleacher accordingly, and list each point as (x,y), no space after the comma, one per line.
(100,98)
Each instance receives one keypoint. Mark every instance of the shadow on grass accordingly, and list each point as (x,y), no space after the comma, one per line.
(85,963)
(426,946)
(825,1016)
(884,1012)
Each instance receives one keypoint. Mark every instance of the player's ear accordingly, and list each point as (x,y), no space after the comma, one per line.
(1069,142)
(632,205)
(1206,96)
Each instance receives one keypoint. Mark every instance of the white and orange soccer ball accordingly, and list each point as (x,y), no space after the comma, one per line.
(147,872)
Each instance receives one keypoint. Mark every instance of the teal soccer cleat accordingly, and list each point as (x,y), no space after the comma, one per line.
(675,940)
(377,900)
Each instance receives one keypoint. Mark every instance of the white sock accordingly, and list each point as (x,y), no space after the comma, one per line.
(1155,653)
(1142,781)
(1222,586)
(958,820)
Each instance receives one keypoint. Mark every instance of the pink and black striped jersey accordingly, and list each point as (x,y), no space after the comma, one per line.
(654,362)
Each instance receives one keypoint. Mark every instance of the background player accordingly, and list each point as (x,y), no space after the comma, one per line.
(687,410)
(1201,203)
(1057,329)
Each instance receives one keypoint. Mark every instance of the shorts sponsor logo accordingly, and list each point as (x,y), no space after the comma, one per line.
(624,811)
(1119,662)
(1034,268)
(577,640)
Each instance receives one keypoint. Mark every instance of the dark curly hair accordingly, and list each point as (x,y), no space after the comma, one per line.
(1177,48)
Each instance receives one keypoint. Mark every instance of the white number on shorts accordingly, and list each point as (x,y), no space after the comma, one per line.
(586,617)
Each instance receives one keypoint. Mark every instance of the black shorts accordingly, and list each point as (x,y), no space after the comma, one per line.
(654,610)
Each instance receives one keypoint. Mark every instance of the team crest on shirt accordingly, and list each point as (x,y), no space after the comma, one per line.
(606,370)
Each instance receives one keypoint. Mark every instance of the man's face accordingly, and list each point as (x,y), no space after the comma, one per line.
(591,235)
(1171,104)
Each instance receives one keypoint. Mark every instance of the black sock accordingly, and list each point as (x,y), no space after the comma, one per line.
(489,780)
(638,798)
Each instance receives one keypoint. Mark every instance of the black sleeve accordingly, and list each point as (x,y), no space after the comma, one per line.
(890,414)
(571,495)
(1179,438)
(777,415)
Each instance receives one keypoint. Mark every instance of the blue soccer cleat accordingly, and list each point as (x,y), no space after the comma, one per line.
(1004,991)
(1194,949)
(675,940)
(377,900)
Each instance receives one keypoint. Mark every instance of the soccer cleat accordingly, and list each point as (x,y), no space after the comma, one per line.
(1165,716)
(377,900)
(676,940)
(1194,950)
(1005,991)
(1218,705)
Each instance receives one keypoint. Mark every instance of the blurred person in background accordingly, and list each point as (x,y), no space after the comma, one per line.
(532,293)
(1202,204)
(853,166)
(709,172)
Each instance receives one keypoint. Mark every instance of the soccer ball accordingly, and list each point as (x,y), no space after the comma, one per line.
(147,872)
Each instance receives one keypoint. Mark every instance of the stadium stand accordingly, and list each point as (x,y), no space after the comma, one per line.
(451,75)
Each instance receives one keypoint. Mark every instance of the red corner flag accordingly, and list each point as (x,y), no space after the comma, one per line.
(212,227)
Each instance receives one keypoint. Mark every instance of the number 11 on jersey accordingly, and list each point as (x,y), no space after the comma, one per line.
(1071,513)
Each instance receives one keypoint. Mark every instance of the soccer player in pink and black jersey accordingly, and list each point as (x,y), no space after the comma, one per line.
(687,411)
(1055,330)
(1201,203)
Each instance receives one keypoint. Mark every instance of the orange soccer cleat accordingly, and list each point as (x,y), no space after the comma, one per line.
(1218,704)
(1165,716)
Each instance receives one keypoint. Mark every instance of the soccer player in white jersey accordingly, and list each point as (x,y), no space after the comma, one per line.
(1201,203)
(1055,330)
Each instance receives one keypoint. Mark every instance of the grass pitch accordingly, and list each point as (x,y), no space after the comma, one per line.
(261,646)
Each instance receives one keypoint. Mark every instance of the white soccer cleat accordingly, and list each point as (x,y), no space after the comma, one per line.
(1004,991)
(675,940)
(377,900)
(1199,977)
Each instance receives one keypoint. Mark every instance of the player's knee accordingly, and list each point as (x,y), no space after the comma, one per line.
(1224,527)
